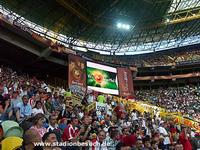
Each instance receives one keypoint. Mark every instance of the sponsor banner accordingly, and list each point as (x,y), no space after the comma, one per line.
(101,107)
(171,77)
(78,90)
(187,122)
(91,107)
(125,82)
(77,74)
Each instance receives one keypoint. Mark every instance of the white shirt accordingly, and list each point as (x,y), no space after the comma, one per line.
(43,85)
(81,114)
(90,99)
(109,110)
(5,90)
(126,124)
(15,86)
(51,128)
(22,93)
(192,134)
(62,91)
(148,131)
(36,111)
(143,123)
(163,131)
(134,116)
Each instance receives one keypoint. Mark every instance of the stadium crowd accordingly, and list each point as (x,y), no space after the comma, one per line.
(185,100)
(43,114)
(151,60)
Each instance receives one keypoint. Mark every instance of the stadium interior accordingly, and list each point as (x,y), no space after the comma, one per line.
(121,74)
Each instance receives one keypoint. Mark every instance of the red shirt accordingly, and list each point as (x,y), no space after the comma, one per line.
(121,137)
(119,110)
(185,142)
(69,133)
(129,140)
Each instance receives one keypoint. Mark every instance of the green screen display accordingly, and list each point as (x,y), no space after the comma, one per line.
(101,78)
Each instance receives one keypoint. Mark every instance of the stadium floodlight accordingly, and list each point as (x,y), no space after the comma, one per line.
(123,26)
(119,25)
(127,27)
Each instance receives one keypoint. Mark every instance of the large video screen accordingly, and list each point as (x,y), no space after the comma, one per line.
(102,78)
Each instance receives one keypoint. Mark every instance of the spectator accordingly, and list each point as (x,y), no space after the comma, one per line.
(23,91)
(4,109)
(56,101)
(139,145)
(38,108)
(154,145)
(38,123)
(99,142)
(113,139)
(128,138)
(86,128)
(147,144)
(49,104)
(53,126)
(70,133)
(15,100)
(101,99)
(63,124)
(164,133)
(90,97)
(178,146)
(51,139)
(184,139)
(30,137)
(25,109)
(122,146)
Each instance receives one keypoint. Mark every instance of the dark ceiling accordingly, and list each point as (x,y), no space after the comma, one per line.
(95,21)
(25,61)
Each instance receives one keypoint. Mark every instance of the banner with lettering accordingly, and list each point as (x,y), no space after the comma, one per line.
(125,80)
(101,107)
(77,74)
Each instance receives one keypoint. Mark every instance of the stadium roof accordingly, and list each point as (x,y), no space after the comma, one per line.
(92,24)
